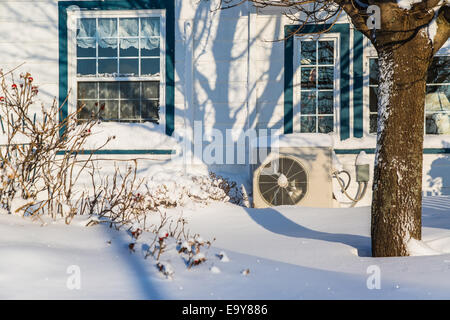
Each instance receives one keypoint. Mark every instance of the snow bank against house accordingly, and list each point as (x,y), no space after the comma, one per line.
(168,181)
(130,136)
(171,188)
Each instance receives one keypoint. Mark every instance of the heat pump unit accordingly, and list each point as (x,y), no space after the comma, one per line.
(298,176)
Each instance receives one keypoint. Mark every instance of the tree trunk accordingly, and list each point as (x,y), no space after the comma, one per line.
(397,186)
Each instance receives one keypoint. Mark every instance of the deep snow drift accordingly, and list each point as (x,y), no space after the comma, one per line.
(290,253)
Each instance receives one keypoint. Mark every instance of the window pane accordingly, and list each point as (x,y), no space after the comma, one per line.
(129,47)
(86,47)
(150,110)
(109,90)
(119,47)
(109,109)
(325,124)
(438,123)
(325,102)
(308,52)
(150,90)
(130,90)
(87,90)
(308,124)
(373,99)
(149,67)
(86,67)
(129,67)
(439,71)
(88,109)
(308,77)
(326,52)
(150,47)
(107,67)
(150,27)
(107,27)
(326,77)
(308,102)
(101,99)
(437,98)
(129,109)
(86,27)
(107,47)
(373,123)
(373,67)
(129,27)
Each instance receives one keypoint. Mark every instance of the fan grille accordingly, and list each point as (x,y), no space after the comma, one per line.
(282,181)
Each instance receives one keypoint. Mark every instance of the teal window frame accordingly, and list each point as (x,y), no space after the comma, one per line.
(344,58)
(358,84)
(167,5)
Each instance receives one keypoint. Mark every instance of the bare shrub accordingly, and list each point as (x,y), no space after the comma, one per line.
(39,154)
(115,199)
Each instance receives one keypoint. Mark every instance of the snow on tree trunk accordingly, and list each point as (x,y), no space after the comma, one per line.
(397,187)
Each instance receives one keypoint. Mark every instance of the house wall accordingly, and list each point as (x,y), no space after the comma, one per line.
(30,41)
(229,74)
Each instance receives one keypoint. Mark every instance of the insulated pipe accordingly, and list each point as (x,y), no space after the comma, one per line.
(362,187)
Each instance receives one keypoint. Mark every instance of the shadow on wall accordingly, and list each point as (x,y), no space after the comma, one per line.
(220,87)
(440,175)
(275,222)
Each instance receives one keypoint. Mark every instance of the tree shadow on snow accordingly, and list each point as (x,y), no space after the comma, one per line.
(135,261)
(436,212)
(275,222)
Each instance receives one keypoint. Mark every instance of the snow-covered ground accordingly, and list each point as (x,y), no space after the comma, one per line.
(290,252)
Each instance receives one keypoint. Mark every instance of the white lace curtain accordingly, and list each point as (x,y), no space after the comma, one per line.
(106,34)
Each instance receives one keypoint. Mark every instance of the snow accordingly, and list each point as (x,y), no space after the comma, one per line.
(407,4)
(362,159)
(385,94)
(150,136)
(215,269)
(337,165)
(384,90)
(223,256)
(275,253)
(432,28)
(419,248)
(199,257)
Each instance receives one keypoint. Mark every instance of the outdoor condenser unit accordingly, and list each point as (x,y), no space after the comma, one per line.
(292,175)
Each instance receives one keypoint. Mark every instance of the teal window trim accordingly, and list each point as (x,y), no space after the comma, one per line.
(358,82)
(168,5)
(372,151)
(344,30)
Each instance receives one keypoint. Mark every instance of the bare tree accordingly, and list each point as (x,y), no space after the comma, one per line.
(409,34)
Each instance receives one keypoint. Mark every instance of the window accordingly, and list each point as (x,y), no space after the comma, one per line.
(437,99)
(118,67)
(317,85)
(373,100)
